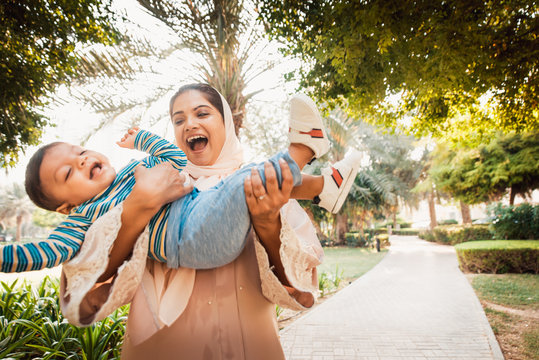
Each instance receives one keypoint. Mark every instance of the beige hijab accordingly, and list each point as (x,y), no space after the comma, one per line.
(229,160)
(166,292)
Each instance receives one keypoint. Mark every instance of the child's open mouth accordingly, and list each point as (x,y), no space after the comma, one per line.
(95,170)
(197,142)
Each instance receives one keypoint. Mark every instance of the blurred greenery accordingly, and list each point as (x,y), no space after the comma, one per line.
(443,59)
(38,40)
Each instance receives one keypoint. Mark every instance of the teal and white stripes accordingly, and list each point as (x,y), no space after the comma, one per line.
(65,241)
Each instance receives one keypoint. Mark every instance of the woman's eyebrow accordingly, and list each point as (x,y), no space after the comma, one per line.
(194,109)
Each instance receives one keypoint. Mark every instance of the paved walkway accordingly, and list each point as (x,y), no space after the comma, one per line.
(415,304)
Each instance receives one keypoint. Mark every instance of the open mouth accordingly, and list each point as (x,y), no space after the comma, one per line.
(96,168)
(197,142)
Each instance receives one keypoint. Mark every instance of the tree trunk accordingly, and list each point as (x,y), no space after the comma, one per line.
(342,227)
(465,211)
(512,196)
(362,223)
(19,228)
(432,210)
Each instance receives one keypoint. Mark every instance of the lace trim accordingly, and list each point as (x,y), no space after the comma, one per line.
(82,272)
(299,263)
(300,269)
(272,289)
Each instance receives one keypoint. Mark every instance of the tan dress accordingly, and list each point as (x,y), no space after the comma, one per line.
(224,313)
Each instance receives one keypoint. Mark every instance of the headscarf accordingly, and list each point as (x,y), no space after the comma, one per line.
(166,292)
(229,160)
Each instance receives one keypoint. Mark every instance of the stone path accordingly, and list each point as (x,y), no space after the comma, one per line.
(415,304)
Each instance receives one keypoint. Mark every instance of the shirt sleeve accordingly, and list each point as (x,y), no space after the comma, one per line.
(300,253)
(83,299)
(61,245)
(160,150)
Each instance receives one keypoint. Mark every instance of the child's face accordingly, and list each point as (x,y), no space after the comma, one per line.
(72,175)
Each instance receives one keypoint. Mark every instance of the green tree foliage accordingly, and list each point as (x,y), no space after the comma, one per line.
(484,173)
(440,56)
(47,219)
(39,38)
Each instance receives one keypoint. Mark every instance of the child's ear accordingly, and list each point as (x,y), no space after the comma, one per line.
(65,208)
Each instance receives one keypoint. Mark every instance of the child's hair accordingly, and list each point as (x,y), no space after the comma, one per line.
(209,93)
(32,183)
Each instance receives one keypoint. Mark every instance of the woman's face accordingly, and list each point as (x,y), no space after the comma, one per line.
(198,127)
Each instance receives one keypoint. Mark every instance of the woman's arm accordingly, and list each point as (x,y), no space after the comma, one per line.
(265,212)
(141,205)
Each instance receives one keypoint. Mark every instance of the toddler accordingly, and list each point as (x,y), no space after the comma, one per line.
(200,230)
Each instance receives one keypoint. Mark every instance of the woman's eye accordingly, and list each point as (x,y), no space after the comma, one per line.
(202,114)
(178,121)
(82,152)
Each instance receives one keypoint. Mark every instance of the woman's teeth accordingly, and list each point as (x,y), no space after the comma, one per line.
(197,142)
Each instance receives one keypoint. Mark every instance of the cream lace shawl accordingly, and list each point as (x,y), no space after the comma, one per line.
(300,254)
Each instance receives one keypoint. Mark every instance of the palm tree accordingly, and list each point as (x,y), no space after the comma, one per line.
(15,205)
(229,53)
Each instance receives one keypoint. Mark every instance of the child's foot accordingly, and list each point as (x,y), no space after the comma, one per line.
(338,180)
(306,126)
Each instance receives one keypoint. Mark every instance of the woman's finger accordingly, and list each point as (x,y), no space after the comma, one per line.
(258,187)
(249,196)
(272,185)
(288,180)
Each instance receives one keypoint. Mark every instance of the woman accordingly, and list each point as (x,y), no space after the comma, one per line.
(227,312)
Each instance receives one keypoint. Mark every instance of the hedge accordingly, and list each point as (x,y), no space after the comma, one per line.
(455,234)
(499,256)
(405,232)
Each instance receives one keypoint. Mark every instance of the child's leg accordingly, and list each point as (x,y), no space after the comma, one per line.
(311,186)
(214,223)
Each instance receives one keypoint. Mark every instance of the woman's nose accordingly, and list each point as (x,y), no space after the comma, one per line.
(190,123)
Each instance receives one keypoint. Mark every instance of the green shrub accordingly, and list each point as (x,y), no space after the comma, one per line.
(330,282)
(515,222)
(408,232)
(355,239)
(384,240)
(32,326)
(499,256)
(455,234)
(448,222)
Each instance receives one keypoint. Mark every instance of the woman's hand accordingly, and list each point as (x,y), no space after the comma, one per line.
(159,185)
(154,188)
(264,207)
(265,203)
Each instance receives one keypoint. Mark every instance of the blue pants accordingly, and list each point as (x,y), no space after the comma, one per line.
(207,229)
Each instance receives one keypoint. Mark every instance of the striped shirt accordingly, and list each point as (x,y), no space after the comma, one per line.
(65,241)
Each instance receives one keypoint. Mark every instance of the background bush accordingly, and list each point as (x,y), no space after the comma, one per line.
(32,327)
(455,234)
(448,222)
(499,256)
(515,222)
(405,232)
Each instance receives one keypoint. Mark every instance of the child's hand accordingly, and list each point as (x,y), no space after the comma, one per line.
(128,140)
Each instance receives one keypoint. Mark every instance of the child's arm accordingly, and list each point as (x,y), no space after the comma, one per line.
(160,150)
(61,245)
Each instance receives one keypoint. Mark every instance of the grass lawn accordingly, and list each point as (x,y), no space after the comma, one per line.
(511,303)
(352,261)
